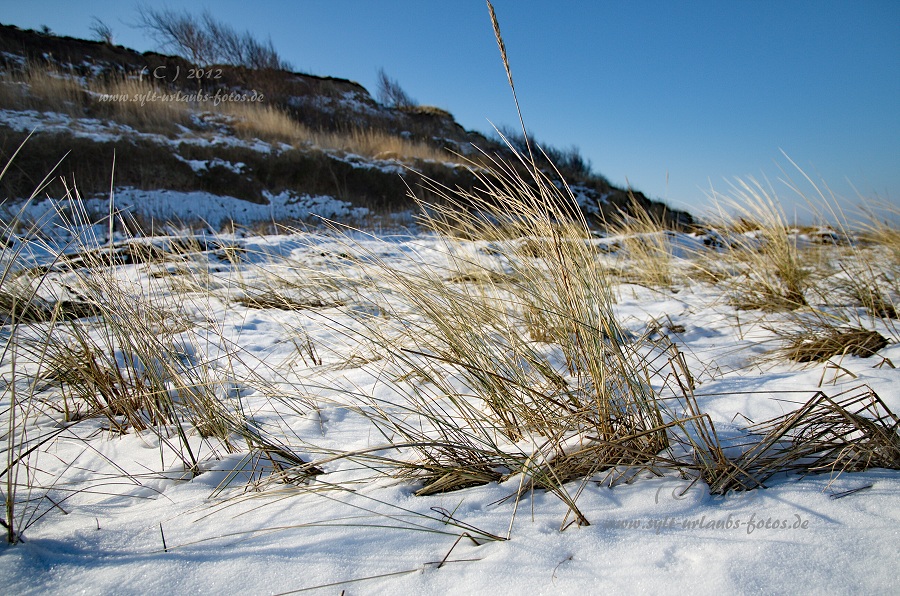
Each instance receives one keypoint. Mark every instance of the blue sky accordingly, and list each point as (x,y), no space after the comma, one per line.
(671,97)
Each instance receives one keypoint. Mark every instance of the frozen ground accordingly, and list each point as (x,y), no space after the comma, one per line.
(119,514)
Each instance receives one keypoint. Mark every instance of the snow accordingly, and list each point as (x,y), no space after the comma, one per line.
(347,102)
(16,59)
(150,527)
(214,210)
(108,131)
(587,199)
(55,122)
(202,165)
(846,547)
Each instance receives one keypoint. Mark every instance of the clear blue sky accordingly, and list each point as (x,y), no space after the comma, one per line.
(670,96)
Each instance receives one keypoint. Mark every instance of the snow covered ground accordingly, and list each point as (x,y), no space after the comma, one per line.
(199,207)
(119,513)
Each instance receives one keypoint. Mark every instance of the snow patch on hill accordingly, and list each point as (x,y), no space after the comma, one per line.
(215,210)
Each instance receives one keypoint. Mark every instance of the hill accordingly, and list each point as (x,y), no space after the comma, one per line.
(228,143)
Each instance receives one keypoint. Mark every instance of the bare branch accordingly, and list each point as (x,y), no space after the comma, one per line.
(101,31)
(391,94)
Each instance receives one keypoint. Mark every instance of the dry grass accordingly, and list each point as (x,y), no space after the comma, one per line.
(857,260)
(474,399)
(872,277)
(474,388)
(282,302)
(852,431)
(127,363)
(133,364)
(880,226)
(819,342)
(474,391)
(774,276)
(20,300)
(379,145)
(268,123)
(37,88)
(156,111)
(869,289)
(778,274)
(264,122)
(647,244)
(578,393)
(129,101)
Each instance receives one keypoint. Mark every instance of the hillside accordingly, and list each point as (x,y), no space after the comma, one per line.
(238,145)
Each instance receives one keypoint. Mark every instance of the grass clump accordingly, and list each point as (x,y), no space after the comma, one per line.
(819,343)
(281,302)
(880,227)
(127,363)
(125,356)
(647,244)
(482,403)
(851,431)
(264,122)
(760,239)
(870,290)
(380,145)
